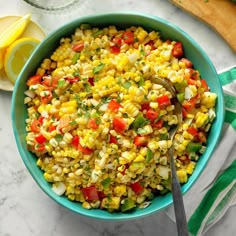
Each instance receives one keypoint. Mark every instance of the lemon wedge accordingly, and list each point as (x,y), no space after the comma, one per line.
(14,31)
(16,56)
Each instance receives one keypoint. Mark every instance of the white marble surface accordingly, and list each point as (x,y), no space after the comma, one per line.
(24,208)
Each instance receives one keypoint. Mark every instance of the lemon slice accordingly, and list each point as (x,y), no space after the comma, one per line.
(8,36)
(16,56)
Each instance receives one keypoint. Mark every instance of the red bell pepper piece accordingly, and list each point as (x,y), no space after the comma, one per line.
(117,41)
(85,150)
(189,104)
(92,123)
(114,49)
(145,106)
(73,80)
(40,139)
(113,105)
(50,82)
(128,37)
(136,187)
(35,126)
(193,131)
(113,139)
(158,124)
(75,141)
(47,98)
(187,62)
(78,47)
(204,85)
(91,81)
(90,193)
(163,101)
(119,124)
(140,140)
(35,79)
(177,50)
(152,115)
(51,128)
(202,137)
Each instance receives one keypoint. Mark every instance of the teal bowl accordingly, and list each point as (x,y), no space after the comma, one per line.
(121,19)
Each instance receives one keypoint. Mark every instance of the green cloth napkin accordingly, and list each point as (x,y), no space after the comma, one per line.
(215,191)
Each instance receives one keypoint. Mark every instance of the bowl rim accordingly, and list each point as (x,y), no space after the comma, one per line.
(114,216)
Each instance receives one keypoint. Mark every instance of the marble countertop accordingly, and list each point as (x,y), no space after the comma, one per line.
(24,208)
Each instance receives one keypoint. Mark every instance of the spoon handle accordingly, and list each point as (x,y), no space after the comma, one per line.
(180,215)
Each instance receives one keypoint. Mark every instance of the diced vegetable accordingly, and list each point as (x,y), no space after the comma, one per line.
(193,147)
(90,193)
(78,47)
(113,105)
(136,187)
(35,79)
(140,140)
(177,50)
(163,101)
(127,205)
(119,124)
(128,37)
(139,122)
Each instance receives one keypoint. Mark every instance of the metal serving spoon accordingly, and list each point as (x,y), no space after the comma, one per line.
(180,215)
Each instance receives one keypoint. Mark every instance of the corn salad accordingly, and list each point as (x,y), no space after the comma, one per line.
(100,127)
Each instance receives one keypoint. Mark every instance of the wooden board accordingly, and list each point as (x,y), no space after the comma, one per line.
(219,14)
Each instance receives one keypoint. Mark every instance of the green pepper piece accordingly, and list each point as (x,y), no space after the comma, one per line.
(149,155)
(180,97)
(75,58)
(193,147)
(164,136)
(181,86)
(106,182)
(139,122)
(97,33)
(128,205)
